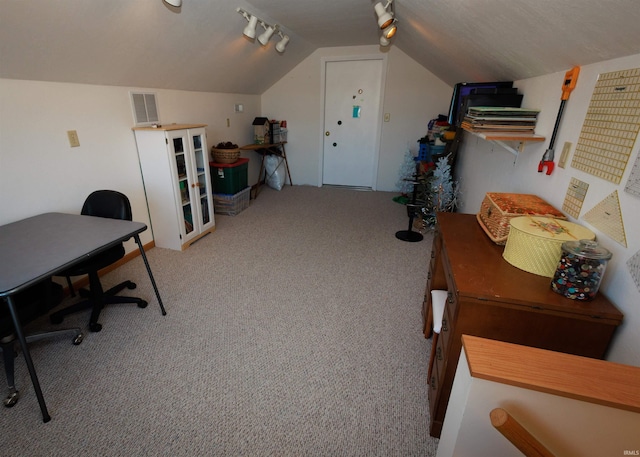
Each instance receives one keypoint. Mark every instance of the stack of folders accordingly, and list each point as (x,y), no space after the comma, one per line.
(484,119)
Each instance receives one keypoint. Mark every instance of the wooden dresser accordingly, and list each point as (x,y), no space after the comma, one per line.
(490,298)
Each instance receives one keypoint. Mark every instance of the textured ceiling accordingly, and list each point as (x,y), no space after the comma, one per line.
(146,43)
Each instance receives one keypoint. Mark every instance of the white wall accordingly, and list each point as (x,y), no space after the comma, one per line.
(40,172)
(484,167)
(413,96)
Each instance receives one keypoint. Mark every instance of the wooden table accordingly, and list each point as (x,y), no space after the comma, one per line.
(490,298)
(264,150)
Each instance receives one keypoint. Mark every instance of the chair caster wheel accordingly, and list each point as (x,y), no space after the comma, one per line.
(95,327)
(131,285)
(12,399)
(142,304)
(78,339)
(56,319)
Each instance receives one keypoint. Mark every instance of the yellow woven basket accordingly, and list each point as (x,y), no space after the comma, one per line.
(534,243)
(225,155)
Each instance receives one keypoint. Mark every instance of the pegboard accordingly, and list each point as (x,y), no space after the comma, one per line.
(611,126)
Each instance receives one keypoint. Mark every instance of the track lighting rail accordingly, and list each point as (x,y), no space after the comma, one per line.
(269,30)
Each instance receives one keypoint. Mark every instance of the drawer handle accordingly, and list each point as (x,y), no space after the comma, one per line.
(450,297)
(433,382)
(439,353)
(444,325)
(429,275)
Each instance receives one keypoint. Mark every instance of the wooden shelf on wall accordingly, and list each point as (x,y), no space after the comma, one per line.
(502,138)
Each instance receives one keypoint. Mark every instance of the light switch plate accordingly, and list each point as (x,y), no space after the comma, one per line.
(74,141)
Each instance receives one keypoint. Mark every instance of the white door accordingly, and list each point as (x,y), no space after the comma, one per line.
(351,122)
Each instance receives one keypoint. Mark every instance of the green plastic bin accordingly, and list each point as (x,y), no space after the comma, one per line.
(229,178)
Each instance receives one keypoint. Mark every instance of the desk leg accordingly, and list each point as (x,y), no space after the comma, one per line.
(27,357)
(286,164)
(259,176)
(153,281)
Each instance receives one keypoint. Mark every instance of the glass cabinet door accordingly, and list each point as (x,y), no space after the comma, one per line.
(190,166)
(182,170)
(203,184)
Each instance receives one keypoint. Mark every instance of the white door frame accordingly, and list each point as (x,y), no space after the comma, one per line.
(378,132)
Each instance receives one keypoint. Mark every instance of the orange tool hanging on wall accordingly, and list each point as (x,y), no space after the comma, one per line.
(570,80)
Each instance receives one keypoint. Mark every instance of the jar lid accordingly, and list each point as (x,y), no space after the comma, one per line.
(586,248)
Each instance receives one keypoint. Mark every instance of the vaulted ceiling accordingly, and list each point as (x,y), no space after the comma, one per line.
(199,46)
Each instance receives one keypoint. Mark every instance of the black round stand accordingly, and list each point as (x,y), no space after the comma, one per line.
(409,235)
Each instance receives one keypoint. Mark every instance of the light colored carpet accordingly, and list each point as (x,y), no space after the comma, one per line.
(293,330)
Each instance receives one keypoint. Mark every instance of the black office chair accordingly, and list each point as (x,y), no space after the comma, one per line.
(30,305)
(114,205)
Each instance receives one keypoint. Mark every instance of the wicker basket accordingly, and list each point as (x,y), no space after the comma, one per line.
(225,155)
(497,209)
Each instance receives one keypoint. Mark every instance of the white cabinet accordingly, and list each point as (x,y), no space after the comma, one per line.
(174,161)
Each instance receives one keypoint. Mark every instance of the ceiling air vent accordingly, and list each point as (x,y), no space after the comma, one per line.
(145,109)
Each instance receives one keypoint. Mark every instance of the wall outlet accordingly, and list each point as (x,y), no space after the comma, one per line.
(74,141)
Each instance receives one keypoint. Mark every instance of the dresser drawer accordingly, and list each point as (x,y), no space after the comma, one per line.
(426,306)
(448,323)
(434,383)
(440,355)
(435,280)
(452,299)
(435,247)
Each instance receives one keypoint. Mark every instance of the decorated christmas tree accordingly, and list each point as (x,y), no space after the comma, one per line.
(440,192)
(406,174)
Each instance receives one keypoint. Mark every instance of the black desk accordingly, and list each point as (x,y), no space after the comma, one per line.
(39,247)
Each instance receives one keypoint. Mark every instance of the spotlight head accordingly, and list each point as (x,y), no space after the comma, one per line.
(250,30)
(282,44)
(390,31)
(264,38)
(176,3)
(385,17)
